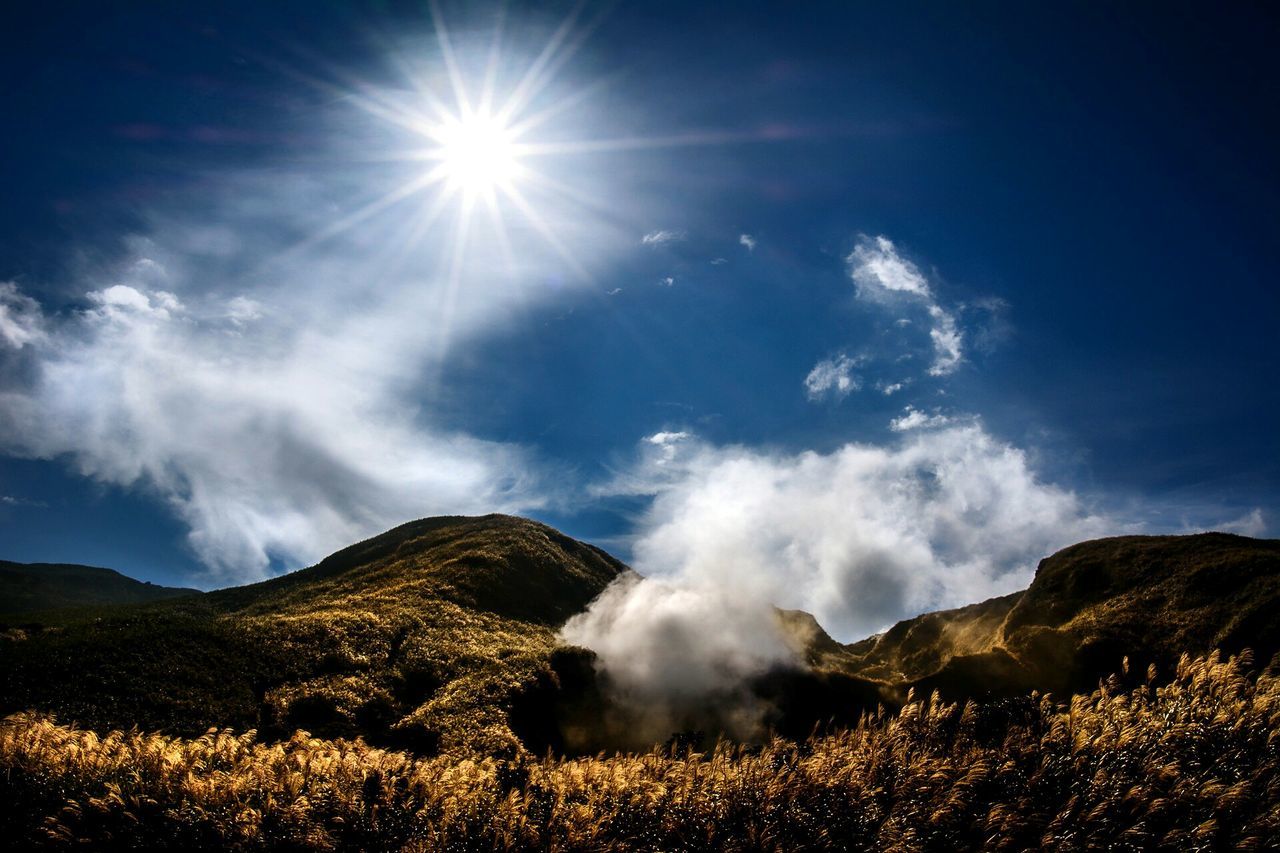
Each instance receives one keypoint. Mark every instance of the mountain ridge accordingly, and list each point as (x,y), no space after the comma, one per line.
(27,589)
(440,635)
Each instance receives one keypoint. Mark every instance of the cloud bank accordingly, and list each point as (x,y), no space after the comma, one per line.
(861,537)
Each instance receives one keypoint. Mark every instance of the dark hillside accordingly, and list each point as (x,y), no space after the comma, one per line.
(430,636)
(26,588)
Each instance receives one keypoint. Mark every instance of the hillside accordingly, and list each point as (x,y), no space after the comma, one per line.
(437,635)
(440,636)
(1148,598)
(27,588)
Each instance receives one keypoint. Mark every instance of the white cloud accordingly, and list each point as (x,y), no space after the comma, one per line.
(832,377)
(947,342)
(877,269)
(667,281)
(614,292)
(264,449)
(242,309)
(663,236)
(883,276)
(861,537)
(21,322)
(748,241)
(890,388)
(287,413)
(913,418)
(715,262)
(1252,523)
(10,500)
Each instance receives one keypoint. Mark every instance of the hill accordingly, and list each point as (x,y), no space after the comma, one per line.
(1147,598)
(437,635)
(440,635)
(27,588)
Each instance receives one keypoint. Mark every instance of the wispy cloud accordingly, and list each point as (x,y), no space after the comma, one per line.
(832,377)
(281,415)
(912,418)
(21,322)
(663,236)
(11,500)
(883,276)
(748,241)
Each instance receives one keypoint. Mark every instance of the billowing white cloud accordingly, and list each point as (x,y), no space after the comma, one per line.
(860,537)
(748,241)
(882,275)
(662,236)
(832,377)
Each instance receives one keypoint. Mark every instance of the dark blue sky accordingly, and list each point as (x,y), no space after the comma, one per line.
(1090,191)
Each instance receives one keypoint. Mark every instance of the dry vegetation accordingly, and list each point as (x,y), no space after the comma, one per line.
(1193,764)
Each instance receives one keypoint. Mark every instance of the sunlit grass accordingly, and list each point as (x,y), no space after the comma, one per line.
(1189,765)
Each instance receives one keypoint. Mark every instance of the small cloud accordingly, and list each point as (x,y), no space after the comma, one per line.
(889,389)
(667,281)
(748,241)
(883,276)
(21,321)
(614,292)
(667,443)
(832,376)
(10,500)
(1250,524)
(913,418)
(715,262)
(947,341)
(242,309)
(877,269)
(662,236)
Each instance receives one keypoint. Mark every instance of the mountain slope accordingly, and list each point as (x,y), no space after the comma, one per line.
(1150,598)
(431,636)
(26,588)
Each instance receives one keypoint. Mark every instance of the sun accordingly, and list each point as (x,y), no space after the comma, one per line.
(477,154)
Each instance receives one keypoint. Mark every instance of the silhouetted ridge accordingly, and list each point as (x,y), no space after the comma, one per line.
(26,588)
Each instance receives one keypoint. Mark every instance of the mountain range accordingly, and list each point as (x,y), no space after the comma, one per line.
(441,636)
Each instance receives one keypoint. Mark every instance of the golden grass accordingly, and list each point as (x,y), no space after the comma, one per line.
(1188,765)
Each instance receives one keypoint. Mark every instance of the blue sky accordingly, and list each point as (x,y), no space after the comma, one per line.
(997,271)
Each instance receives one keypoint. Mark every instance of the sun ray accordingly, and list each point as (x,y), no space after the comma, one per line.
(450,60)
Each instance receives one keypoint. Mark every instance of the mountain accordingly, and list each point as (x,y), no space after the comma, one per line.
(441,636)
(437,635)
(1147,598)
(26,588)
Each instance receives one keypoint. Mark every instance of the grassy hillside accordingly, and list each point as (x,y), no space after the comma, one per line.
(1148,598)
(27,588)
(437,635)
